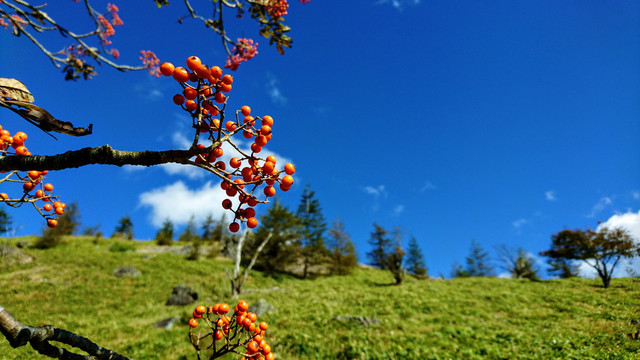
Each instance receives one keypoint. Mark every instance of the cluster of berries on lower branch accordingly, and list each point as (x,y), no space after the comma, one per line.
(221,333)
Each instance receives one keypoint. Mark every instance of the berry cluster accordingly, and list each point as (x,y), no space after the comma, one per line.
(239,333)
(203,97)
(32,180)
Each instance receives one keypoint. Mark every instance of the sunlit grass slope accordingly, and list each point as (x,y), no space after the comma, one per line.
(73,287)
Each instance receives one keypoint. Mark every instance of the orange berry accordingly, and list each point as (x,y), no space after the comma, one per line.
(178,99)
(249,119)
(39,193)
(272,159)
(267,120)
(235,162)
(181,74)
(193,323)
(227,79)
(287,180)
(216,72)
(268,167)
(264,325)
(218,152)
(166,68)
(21,150)
(190,93)
(270,191)
(252,222)
(19,137)
(246,110)
(230,125)
(243,305)
(193,62)
(253,347)
(224,308)
(47,207)
(52,223)
(290,169)
(225,88)
(200,309)
(59,211)
(256,148)
(48,187)
(28,186)
(33,174)
(190,105)
(219,334)
(265,130)
(261,140)
(226,204)
(219,98)
(203,71)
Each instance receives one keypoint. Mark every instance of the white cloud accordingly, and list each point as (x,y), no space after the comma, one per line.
(427,186)
(178,203)
(628,220)
(636,195)
(550,195)
(601,205)
(375,191)
(398,209)
(273,90)
(399,4)
(519,223)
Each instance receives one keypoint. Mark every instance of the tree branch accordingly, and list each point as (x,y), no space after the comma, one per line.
(104,155)
(38,337)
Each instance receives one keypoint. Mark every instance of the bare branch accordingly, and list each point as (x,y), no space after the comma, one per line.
(39,337)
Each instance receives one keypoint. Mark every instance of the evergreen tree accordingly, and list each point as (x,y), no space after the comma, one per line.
(380,243)
(457,270)
(124,228)
(415,260)
(5,222)
(190,233)
(164,236)
(312,228)
(394,258)
(342,251)
(281,251)
(214,230)
(478,261)
(563,268)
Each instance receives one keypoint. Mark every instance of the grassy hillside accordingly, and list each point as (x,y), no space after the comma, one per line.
(73,287)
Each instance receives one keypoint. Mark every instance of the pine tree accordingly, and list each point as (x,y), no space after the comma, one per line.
(312,228)
(190,233)
(395,257)
(415,260)
(282,250)
(124,228)
(478,261)
(380,243)
(164,236)
(342,251)
(5,222)
(563,268)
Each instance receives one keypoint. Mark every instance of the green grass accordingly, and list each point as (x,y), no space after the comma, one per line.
(72,287)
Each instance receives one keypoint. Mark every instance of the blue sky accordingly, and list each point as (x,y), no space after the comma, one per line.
(499,121)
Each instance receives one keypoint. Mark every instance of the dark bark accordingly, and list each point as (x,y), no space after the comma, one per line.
(104,155)
(38,337)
